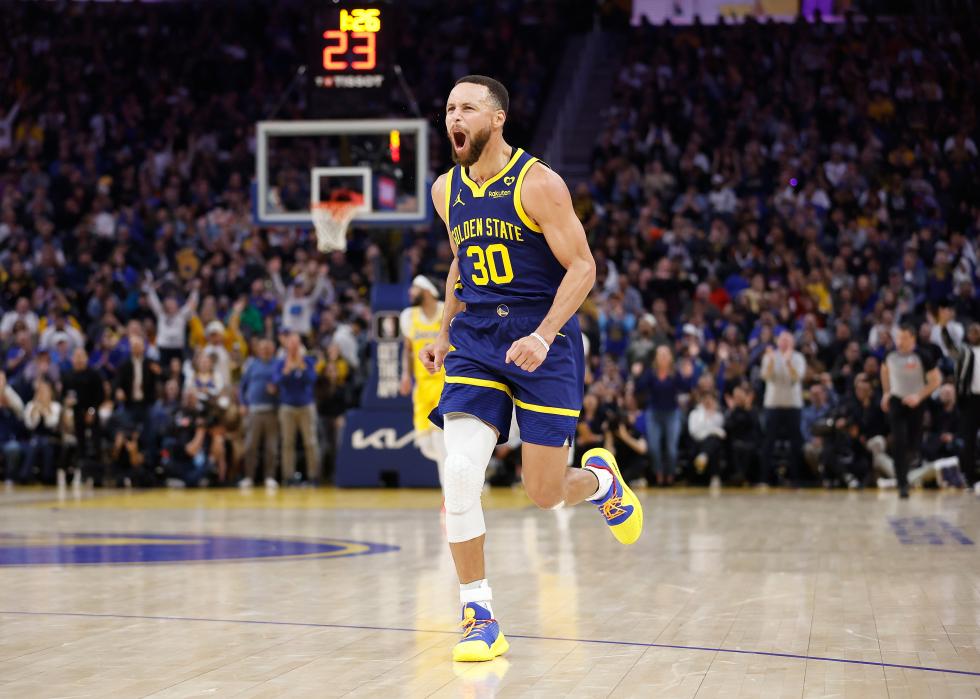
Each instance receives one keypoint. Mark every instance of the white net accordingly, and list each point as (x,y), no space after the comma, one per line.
(331,220)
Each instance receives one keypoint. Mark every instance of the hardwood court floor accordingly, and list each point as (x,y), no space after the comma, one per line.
(737,594)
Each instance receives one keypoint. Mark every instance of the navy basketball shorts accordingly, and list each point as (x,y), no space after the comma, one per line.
(479,383)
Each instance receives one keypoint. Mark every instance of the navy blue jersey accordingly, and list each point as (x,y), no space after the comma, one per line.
(503,256)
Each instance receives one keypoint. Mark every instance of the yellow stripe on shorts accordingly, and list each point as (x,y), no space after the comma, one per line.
(484,383)
(546,409)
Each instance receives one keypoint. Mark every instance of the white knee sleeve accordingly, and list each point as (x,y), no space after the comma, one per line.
(469,445)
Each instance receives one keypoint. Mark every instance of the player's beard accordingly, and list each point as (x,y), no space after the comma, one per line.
(473,150)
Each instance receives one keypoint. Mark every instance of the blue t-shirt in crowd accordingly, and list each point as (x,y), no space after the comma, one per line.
(662,393)
(296,387)
(255,381)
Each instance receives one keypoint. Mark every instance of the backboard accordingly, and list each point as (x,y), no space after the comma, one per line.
(385,160)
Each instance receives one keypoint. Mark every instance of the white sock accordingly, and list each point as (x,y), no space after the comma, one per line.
(478,592)
(605,482)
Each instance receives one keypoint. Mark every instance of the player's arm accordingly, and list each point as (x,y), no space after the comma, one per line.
(433,354)
(547,201)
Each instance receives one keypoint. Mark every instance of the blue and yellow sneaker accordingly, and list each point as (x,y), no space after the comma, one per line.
(482,638)
(620,507)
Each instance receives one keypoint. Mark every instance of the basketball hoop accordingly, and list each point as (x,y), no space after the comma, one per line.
(332,218)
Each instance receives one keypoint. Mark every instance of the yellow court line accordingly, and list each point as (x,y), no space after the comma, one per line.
(286,499)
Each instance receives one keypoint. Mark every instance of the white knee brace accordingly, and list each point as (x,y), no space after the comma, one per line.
(469,446)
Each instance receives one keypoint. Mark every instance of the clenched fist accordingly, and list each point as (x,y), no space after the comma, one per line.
(434,354)
(528,353)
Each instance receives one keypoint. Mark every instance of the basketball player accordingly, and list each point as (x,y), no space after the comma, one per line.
(420,324)
(510,338)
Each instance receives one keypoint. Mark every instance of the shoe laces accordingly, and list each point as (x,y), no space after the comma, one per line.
(613,507)
(471,625)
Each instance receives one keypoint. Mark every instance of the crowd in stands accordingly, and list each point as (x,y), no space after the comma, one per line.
(150,332)
(775,200)
(769,204)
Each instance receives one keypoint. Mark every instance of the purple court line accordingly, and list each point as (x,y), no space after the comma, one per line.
(765,653)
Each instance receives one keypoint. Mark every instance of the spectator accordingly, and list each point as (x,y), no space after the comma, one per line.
(588,432)
(60,329)
(706,425)
(83,395)
(967,382)
(42,417)
(217,351)
(615,326)
(624,433)
(39,368)
(335,393)
(295,376)
(815,415)
(127,457)
(908,377)
(297,306)
(206,385)
(260,403)
(190,451)
(21,313)
(171,320)
(19,355)
(940,444)
(661,386)
(11,428)
(867,428)
(744,435)
(783,369)
(136,386)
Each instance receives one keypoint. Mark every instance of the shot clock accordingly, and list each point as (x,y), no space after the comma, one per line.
(350,47)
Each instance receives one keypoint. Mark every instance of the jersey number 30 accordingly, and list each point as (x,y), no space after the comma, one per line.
(492,264)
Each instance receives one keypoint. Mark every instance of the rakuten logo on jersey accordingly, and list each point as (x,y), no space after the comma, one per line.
(385,438)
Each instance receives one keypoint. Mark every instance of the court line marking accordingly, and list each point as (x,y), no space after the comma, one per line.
(637,644)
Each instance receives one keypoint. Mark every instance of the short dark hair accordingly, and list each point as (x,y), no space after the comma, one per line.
(496,89)
(910,327)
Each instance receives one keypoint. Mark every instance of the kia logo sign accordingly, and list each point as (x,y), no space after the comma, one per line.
(385,438)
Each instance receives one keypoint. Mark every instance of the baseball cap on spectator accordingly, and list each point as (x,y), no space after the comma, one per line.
(215,326)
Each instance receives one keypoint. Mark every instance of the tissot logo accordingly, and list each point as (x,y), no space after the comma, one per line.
(385,438)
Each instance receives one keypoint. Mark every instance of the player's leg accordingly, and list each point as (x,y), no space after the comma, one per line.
(548,403)
(549,481)
(475,408)
(469,444)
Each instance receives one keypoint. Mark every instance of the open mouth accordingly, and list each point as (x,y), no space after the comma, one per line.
(459,140)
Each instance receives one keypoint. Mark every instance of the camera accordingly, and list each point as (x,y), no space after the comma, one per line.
(613,417)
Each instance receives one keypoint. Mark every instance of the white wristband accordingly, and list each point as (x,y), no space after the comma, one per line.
(542,341)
